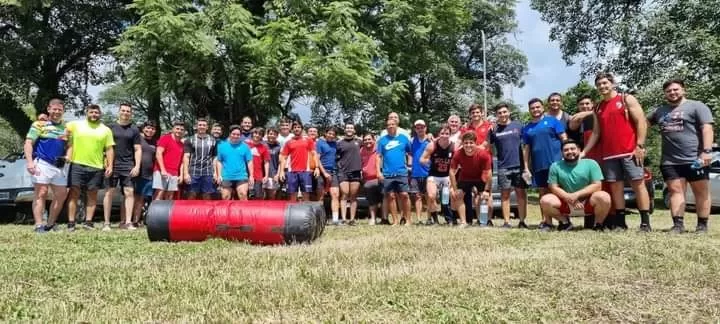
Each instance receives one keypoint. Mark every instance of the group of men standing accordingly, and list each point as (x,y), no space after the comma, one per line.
(578,162)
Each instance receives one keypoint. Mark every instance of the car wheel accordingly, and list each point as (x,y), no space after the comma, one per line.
(23,215)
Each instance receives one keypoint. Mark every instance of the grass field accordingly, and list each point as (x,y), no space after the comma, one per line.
(366,274)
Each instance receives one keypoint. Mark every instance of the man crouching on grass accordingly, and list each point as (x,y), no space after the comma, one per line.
(575,184)
(476,165)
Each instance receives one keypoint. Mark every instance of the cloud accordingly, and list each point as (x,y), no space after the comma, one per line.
(547,72)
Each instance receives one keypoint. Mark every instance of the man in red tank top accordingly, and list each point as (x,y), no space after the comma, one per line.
(622,128)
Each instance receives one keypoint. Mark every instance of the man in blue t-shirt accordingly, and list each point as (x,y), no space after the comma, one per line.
(419,173)
(506,138)
(327,179)
(235,165)
(393,152)
(542,137)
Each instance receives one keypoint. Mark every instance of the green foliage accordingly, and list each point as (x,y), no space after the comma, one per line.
(582,88)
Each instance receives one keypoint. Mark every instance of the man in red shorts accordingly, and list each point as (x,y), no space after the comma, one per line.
(575,184)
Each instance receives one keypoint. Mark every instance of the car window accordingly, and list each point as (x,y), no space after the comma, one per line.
(715,165)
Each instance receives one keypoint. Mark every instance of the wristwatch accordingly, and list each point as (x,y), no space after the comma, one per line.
(708,151)
(641,146)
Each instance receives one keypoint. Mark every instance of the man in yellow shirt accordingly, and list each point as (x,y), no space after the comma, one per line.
(91,151)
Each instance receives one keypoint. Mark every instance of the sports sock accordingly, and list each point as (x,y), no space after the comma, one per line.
(644,217)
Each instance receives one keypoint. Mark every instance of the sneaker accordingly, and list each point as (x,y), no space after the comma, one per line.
(352,223)
(544,227)
(402,221)
(565,227)
(522,225)
(106,228)
(645,228)
(429,222)
(677,229)
(71,227)
(52,228)
(598,228)
(40,229)
(89,225)
(507,225)
(130,227)
(489,223)
(336,223)
(372,222)
(621,227)
(701,229)
(462,225)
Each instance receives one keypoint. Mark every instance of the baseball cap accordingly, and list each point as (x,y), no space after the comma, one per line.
(419,122)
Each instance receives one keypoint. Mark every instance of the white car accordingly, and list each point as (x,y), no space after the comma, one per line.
(714,186)
(16,190)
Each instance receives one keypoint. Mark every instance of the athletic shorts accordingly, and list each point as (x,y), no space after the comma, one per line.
(439,182)
(418,185)
(373,191)
(143,187)
(511,179)
(46,173)
(320,181)
(565,208)
(124,180)
(395,184)
(270,184)
(85,177)
(302,180)
(202,184)
(684,171)
(540,178)
(622,168)
(169,183)
(232,184)
(352,176)
(467,188)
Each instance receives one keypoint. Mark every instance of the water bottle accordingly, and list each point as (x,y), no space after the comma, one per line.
(697,165)
(527,177)
(483,214)
(445,196)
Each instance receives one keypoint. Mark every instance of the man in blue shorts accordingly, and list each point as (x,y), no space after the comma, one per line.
(234,161)
(394,155)
(199,152)
(542,137)
(327,152)
(506,138)
(419,173)
(299,150)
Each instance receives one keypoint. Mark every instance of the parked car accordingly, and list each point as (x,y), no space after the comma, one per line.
(16,191)
(714,187)
(629,193)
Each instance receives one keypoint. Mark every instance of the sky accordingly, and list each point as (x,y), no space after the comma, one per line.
(547,72)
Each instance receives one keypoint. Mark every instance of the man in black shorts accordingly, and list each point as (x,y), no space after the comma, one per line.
(349,167)
(198,167)
(476,164)
(371,185)
(686,127)
(128,155)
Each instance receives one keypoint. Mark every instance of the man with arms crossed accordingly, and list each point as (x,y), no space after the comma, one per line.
(371,184)
(300,150)
(507,140)
(128,153)
(438,155)
(261,162)
(349,166)
(143,183)
(476,165)
(394,157)
(91,144)
(199,153)
(45,146)
(168,161)
(542,137)
(575,184)
(687,137)
(622,127)
(234,160)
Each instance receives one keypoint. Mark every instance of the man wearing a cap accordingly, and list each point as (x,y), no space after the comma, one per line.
(419,172)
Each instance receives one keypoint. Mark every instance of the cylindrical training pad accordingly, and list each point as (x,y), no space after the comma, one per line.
(257,221)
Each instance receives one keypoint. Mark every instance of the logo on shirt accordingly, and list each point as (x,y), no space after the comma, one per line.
(672,122)
(254,151)
(618,105)
(392,144)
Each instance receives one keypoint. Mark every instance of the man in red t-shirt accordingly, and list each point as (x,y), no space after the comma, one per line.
(479,125)
(476,164)
(261,161)
(300,150)
(168,158)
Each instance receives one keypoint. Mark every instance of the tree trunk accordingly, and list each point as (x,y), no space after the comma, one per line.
(154,97)
(18,120)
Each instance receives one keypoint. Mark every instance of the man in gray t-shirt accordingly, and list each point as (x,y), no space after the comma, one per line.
(687,136)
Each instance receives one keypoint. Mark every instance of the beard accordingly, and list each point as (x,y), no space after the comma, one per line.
(572,158)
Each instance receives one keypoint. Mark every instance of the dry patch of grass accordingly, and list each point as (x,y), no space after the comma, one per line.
(365,274)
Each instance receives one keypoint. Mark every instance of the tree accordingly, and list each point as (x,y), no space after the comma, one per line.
(51,49)
(582,88)
(645,42)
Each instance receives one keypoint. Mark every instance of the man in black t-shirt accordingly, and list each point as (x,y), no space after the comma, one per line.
(349,167)
(126,166)
(143,182)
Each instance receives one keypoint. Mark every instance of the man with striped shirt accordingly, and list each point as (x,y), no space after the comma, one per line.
(198,158)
